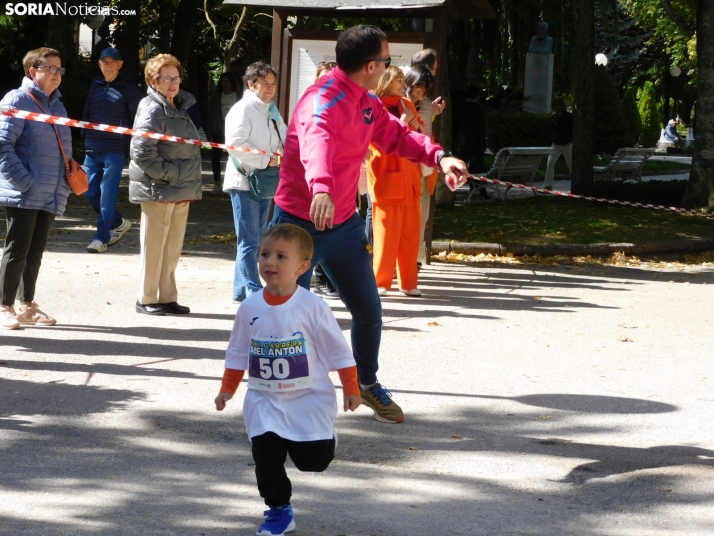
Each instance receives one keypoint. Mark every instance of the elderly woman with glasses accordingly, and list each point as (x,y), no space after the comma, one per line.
(164,177)
(33,184)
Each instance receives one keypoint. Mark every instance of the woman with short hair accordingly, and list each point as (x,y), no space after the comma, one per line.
(253,123)
(165,176)
(33,184)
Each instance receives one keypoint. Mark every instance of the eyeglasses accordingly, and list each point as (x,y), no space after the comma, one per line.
(170,80)
(53,69)
(387,61)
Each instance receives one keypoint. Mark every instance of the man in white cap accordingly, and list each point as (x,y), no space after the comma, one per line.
(671,134)
(112,100)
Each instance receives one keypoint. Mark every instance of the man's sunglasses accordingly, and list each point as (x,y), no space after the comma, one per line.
(387,61)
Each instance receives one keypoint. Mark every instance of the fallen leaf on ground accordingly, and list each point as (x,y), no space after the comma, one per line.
(432,324)
(414,448)
(616,259)
(546,417)
(457,436)
(623,338)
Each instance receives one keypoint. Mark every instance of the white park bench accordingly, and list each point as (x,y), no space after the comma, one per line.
(627,163)
(513,164)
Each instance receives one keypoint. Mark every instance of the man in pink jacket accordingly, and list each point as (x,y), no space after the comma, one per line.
(327,140)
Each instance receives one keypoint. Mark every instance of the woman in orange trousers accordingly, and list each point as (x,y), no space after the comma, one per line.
(394,185)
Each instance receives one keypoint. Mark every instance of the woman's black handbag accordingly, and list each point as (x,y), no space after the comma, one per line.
(263,182)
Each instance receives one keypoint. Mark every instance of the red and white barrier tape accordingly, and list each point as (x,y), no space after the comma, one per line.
(32,116)
(698,212)
(43,118)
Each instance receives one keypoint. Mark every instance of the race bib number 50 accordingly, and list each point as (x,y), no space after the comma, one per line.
(279,365)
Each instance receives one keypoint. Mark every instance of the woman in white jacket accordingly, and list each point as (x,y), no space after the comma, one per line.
(254,122)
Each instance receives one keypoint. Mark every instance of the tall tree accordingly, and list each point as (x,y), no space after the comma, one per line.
(651,122)
(611,129)
(632,114)
(584,110)
(700,190)
(227,45)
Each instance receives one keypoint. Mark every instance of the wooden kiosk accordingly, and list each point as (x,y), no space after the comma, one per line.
(296,52)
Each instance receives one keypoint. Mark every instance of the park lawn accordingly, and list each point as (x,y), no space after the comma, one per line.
(562,169)
(558,220)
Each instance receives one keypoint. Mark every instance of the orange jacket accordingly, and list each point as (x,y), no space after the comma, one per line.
(392,180)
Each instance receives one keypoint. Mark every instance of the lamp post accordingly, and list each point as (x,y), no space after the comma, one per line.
(674,72)
(93,22)
(601,59)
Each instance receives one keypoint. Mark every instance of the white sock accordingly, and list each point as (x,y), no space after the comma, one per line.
(366,387)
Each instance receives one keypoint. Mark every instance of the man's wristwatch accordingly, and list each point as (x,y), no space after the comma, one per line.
(442,155)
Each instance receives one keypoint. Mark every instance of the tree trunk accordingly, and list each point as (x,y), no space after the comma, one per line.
(584,69)
(700,189)
(184,25)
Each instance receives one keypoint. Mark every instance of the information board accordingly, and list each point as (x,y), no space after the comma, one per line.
(308,53)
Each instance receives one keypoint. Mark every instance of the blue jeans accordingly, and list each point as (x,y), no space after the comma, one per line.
(346,257)
(250,217)
(104,173)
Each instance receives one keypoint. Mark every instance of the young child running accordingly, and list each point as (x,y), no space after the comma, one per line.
(288,340)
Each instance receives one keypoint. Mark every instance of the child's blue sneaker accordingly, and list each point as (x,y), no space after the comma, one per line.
(278,521)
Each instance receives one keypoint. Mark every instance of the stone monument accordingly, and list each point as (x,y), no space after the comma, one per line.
(538,86)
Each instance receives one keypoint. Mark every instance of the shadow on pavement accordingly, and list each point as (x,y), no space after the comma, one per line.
(139,350)
(166,472)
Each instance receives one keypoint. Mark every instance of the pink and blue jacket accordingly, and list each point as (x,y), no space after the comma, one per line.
(330,131)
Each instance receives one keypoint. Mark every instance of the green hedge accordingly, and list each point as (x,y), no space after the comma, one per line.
(667,193)
(687,150)
(518,130)
(632,114)
(651,125)
(611,128)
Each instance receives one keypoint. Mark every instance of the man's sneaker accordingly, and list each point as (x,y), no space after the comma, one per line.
(30,313)
(116,234)
(97,246)
(381,291)
(217,188)
(380,400)
(327,291)
(8,320)
(278,521)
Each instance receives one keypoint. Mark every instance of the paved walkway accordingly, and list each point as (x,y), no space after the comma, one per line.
(539,400)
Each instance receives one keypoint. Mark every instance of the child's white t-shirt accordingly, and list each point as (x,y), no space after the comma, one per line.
(288,350)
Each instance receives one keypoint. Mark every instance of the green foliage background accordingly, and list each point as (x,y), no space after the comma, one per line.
(518,130)
(611,126)
(632,114)
(651,123)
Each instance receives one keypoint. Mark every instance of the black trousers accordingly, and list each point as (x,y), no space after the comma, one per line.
(270,452)
(216,155)
(27,234)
